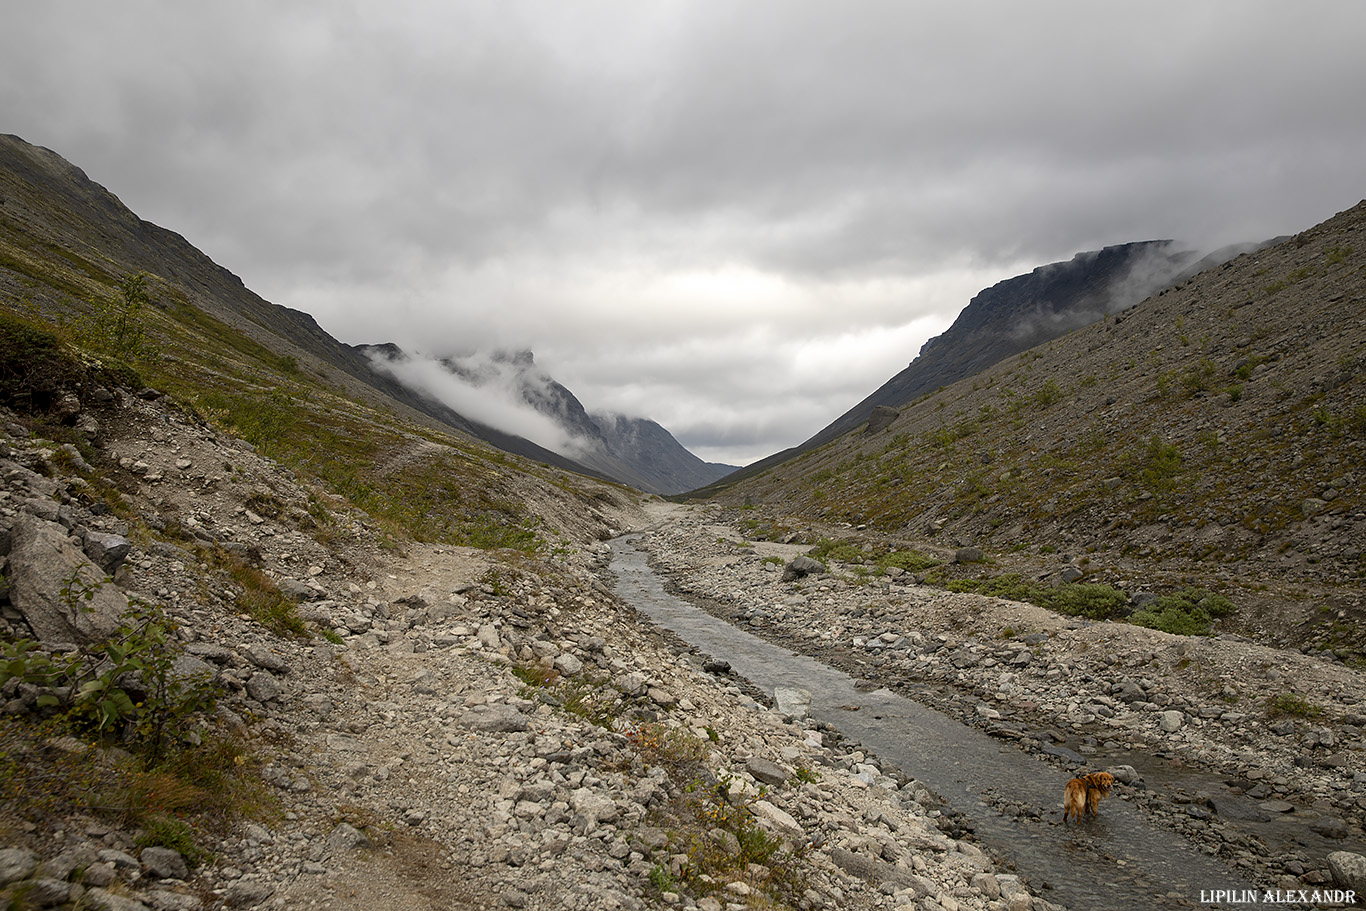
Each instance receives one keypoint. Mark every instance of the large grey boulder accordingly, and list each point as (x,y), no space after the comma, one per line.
(802,567)
(42,564)
(1349,870)
(882,417)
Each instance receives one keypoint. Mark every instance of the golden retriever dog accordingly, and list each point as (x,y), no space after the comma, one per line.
(1085,793)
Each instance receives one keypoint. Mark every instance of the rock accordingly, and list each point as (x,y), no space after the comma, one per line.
(1277,806)
(792,701)
(70,860)
(802,567)
(1130,692)
(42,563)
(495,719)
(1349,871)
(346,837)
(969,555)
(1329,827)
(726,841)
(777,819)
(296,590)
(568,665)
(1170,721)
(243,894)
(16,864)
(164,863)
(265,658)
(769,773)
(488,637)
(104,900)
(107,551)
(1070,574)
(882,417)
(165,900)
(633,684)
(859,865)
(263,687)
(592,805)
(44,893)
(1125,774)
(987,885)
(120,859)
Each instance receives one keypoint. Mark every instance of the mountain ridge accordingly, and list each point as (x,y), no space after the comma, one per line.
(49,204)
(1212,434)
(1016,314)
(633,450)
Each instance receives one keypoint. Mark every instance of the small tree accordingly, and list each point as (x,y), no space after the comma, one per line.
(116,326)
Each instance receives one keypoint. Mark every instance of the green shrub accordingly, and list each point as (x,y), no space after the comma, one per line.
(1292,705)
(1077,599)
(1191,612)
(94,688)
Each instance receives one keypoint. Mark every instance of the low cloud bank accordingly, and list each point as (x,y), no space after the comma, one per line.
(488,389)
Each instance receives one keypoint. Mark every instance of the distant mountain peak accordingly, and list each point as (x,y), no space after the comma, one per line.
(635,451)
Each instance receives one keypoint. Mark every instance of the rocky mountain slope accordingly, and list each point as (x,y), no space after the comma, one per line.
(634,451)
(1212,435)
(65,238)
(1018,314)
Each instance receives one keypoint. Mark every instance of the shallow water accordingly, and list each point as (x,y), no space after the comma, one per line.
(1115,861)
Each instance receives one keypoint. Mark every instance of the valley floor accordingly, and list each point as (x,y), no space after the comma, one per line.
(466,729)
(1255,754)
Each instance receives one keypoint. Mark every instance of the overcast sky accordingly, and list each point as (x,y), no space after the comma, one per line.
(735,217)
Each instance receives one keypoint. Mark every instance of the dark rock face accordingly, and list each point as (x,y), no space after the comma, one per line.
(1018,314)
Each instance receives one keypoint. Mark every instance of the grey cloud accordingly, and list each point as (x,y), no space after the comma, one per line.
(533,173)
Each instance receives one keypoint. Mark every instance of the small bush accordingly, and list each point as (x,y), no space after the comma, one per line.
(176,834)
(1187,613)
(1292,705)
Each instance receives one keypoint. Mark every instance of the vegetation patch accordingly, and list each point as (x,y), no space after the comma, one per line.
(1191,612)
(1292,705)
(828,550)
(1077,599)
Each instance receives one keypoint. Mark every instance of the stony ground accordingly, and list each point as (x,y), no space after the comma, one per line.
(1039,679)
(458,729)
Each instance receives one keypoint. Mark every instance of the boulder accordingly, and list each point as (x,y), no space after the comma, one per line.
(346,837)
(881,418)
(770,773)
(16,864)
(1349,870)
(568,665)
(792,701)
(164,863)
(857,865)
(775,819)
(593,805)
(104,900)
(42,565)
(107,551)
(802,567)
(495,719)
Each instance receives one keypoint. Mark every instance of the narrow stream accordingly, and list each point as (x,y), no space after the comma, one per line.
(1116,861)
